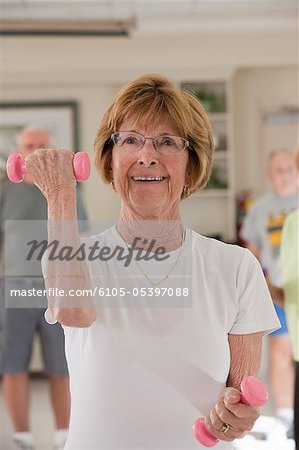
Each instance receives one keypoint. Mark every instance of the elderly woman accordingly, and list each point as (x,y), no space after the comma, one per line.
(146,362)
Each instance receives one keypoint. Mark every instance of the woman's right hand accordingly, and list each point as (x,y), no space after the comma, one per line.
(52,170)
(230,411)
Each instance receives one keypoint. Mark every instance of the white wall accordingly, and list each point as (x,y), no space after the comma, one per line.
(90,70)
(256,92)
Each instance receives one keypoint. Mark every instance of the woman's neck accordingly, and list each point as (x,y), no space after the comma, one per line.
(150,230)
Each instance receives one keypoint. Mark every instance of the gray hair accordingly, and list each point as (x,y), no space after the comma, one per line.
(273,153)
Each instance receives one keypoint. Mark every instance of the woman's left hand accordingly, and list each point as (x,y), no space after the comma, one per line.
(228,410)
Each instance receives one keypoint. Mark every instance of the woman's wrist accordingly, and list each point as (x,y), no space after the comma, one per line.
(62,205)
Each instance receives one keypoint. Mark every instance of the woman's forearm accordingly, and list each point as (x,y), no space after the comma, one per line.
(245,354)
(64,270)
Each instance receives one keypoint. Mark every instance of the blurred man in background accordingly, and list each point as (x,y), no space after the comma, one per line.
(262,233)
(25,202)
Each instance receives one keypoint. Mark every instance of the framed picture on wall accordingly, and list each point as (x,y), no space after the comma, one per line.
(60,118)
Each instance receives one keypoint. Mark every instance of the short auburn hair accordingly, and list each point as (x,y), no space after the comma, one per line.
(145,100)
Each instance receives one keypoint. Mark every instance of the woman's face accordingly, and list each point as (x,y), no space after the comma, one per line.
(147,162)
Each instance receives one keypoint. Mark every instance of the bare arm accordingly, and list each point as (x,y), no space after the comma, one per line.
(254,249)
(71,275)
(245,353)
(53,174)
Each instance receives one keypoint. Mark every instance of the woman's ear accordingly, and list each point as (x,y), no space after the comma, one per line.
(110,167)
(188,178)
(111,176)
(110,173)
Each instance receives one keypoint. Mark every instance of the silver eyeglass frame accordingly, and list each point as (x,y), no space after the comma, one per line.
(187,143)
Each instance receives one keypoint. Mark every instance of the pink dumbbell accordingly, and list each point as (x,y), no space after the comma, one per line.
(16,168)
(253,393)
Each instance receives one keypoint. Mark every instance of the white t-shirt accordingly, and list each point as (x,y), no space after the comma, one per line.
(149,366)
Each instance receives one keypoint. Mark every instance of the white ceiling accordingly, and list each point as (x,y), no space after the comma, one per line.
(160,16)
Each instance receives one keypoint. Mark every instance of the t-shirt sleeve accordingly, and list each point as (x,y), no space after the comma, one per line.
(255,310)
(249,230)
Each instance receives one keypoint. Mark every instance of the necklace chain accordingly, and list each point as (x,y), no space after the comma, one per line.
(172,268)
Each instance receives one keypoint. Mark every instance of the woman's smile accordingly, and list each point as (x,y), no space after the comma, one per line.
(148,179)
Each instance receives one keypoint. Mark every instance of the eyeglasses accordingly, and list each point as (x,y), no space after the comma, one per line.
(165,144)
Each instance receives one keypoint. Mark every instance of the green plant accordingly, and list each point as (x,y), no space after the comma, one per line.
(216,181)
(210,100)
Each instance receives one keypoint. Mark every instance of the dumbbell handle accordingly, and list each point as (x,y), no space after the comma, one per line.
(253,393)
(16,167)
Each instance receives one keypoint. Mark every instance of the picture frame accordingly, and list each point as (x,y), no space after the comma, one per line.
(60,118)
